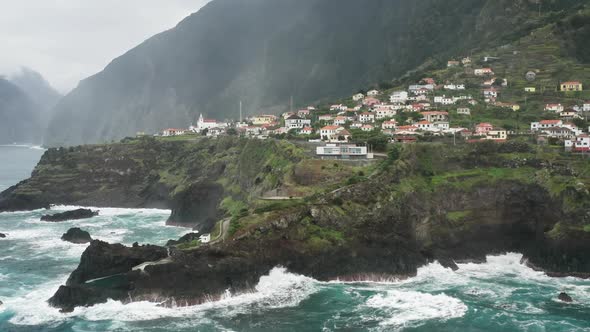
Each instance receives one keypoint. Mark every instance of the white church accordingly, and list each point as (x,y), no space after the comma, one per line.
(203,124)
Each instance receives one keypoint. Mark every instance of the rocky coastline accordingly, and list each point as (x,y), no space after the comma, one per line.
(422,204)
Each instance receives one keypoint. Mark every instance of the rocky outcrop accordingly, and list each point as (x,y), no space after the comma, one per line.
(103,260)
(76,235)
(70,215)
(2,235)
(564,297)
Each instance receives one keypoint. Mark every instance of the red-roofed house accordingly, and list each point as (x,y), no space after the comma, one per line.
(483,128)
(483,71)
(306,131)
(371,101)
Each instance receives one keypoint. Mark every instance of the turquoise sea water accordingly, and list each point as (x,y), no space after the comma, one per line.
(501,295)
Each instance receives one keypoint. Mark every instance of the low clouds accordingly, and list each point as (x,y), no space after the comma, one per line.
(68,40)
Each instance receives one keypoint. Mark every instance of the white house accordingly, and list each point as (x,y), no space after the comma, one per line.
(444,126)
(383,113)
(573,128)
(367,127)
(421,89)
(366,117)
(173,132)
(483,71)
(373,93)
(544,124)
(392,124)
(425,126)
(399,97)
(334,134)
(580,143)
(443,100)
(586,107)
(452,86)
(326,117)
(339,107)
(296,122)
(306,131)
(356,125)
(496,134)
(436,116)
(558,132)
(557,108)
(490,93)
(358,96)
(464,111)
(340,120)
(205,238)
(569,115)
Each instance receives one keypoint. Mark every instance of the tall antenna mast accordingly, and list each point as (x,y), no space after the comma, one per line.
(240,111)
(291,104)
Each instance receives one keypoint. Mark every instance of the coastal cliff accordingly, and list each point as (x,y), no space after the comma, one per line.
(189,177)
(422,203)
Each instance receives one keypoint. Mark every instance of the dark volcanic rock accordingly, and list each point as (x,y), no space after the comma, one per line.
(2,235)
(564,297)
(101,259)
(185,239)
(70,215)
(76,235)
(108,261)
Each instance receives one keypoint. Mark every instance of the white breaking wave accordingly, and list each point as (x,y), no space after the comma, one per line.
(28,146)
(410,308)
(113,211)
(279,289)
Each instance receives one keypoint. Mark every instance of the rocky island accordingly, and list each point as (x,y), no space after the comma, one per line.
(339,220)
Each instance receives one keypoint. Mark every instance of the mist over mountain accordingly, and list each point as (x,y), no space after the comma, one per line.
(264,52)
(38,90)
(20,120)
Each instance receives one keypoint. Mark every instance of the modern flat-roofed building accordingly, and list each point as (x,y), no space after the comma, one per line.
(343,151)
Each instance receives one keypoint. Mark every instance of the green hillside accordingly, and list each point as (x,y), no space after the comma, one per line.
(263,52)
(554,52)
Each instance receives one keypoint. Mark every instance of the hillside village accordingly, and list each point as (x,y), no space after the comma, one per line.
(526,90)
(427,108)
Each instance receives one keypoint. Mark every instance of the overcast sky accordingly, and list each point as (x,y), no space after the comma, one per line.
(68,40)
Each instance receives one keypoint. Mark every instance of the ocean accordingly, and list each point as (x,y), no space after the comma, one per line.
(500,295)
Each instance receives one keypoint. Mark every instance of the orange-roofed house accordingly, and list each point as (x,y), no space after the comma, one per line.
(544,124)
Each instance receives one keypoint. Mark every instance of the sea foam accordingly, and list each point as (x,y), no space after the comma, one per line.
(409,308)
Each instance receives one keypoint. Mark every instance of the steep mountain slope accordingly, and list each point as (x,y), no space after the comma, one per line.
(263,52)
(19,116)
(38,90)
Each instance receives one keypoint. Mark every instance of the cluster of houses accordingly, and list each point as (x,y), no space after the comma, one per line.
(563,128)
(427,101)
